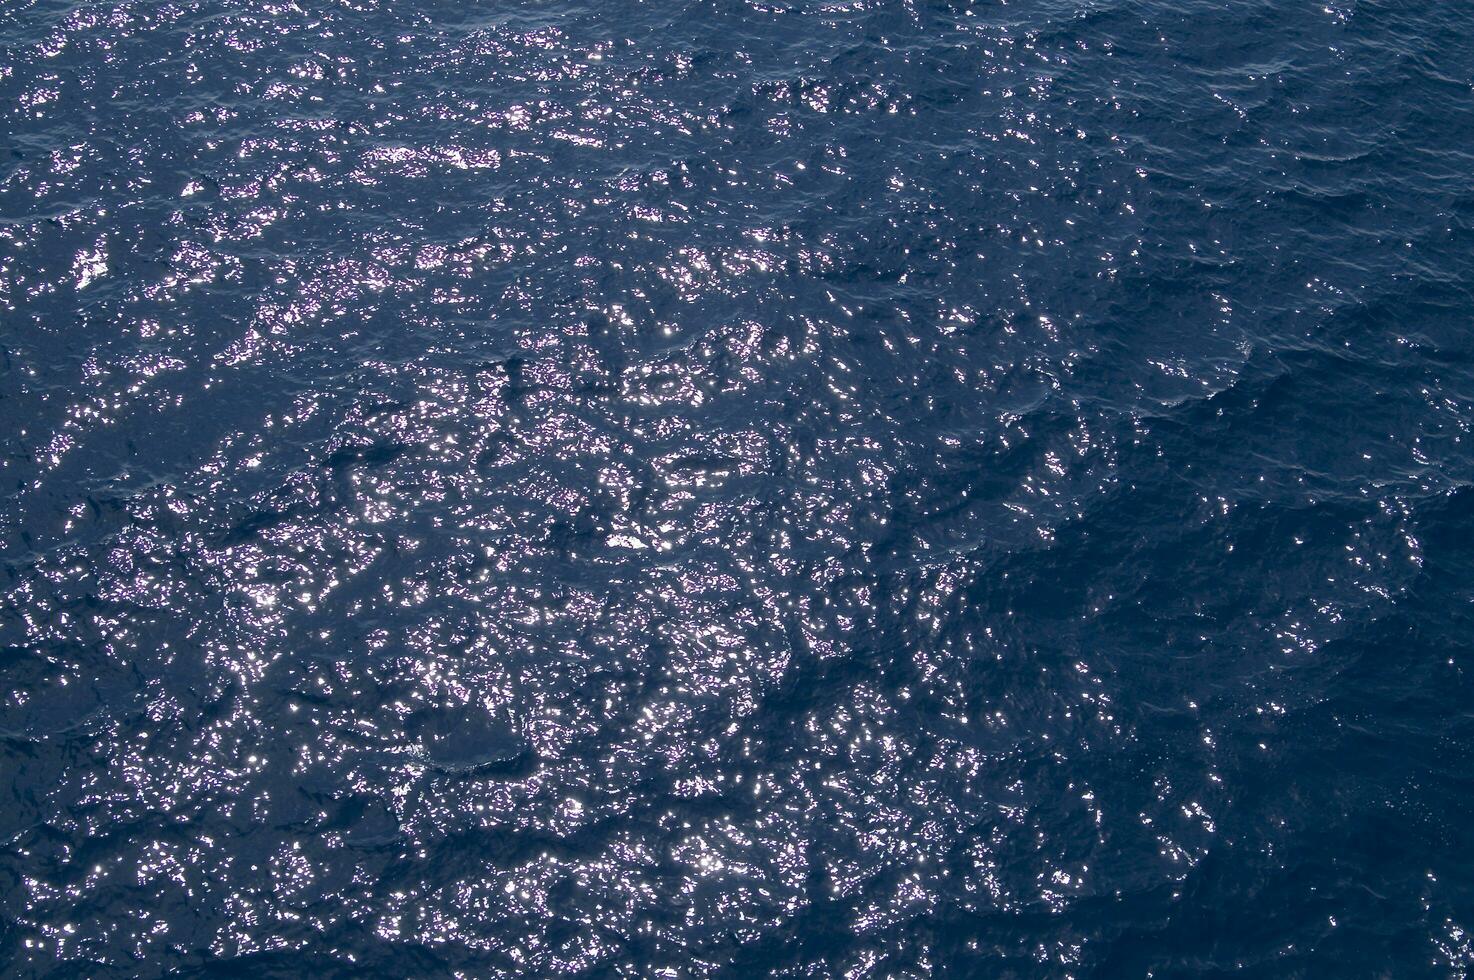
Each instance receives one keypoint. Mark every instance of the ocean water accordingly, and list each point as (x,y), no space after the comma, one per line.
(796,488)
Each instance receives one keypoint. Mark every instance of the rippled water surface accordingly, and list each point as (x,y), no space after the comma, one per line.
(865,488)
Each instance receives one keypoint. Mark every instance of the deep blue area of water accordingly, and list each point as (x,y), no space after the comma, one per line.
(802,488)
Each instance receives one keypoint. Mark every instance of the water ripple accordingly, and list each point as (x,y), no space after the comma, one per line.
(828,489)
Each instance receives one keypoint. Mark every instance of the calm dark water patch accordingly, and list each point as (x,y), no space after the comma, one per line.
(808,489)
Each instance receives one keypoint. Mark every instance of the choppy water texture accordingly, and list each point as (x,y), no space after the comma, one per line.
(793,488)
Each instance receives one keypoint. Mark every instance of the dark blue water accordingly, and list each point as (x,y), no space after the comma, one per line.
(771,488)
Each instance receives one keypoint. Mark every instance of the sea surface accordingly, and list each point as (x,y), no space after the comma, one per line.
(736,488)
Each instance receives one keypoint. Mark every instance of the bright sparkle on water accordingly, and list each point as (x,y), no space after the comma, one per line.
(821,489)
